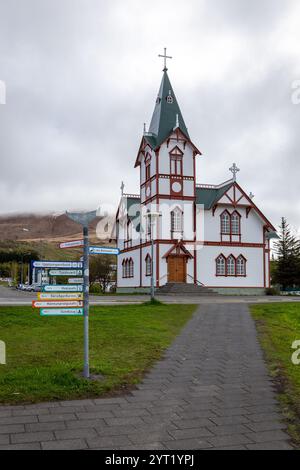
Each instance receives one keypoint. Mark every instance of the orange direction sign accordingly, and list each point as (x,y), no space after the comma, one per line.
(56,303)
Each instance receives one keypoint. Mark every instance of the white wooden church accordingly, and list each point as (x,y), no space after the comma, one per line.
(178,230)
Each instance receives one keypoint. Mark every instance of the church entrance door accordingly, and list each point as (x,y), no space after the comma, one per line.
(176,269)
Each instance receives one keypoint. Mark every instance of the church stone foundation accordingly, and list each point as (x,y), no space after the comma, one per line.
(239,291)
(133,290)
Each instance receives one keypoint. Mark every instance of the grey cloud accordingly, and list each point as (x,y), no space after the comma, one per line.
(82,77)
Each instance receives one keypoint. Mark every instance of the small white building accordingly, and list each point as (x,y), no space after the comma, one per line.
(207,235)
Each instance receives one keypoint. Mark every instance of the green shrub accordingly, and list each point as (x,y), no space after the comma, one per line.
(95,289)
(272,291)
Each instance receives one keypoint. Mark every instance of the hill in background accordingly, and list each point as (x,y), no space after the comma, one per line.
(43,233)
(49,227)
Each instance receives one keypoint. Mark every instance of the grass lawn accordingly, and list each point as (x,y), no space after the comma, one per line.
(279,326)
(45,355)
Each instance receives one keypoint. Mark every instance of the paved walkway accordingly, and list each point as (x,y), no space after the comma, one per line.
(211,391)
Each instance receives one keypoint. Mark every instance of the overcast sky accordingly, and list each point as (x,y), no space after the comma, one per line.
(82,77)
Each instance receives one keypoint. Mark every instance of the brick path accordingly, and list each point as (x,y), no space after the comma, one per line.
(211,391)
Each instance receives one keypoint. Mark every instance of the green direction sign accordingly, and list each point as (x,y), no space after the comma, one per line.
(65,272)
(62,288)
(70,312)
(75,280)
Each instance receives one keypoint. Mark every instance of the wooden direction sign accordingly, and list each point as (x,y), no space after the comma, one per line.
(60,296)
(70,312)
(58,264)
(65,272)
(71,244)
(62,288)
(56,303)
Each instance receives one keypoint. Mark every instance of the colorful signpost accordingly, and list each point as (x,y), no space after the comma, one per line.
(71,299)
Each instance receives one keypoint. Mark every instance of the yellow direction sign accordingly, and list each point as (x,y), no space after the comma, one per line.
(60,296)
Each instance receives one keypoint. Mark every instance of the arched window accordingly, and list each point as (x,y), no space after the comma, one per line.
(147,171)
(241,266)
(230,266)
(176,165)
(176,220)
(148,225)
(148,262)
(221,266)
(131,268)
(235,223)
(124,268)
(225,223)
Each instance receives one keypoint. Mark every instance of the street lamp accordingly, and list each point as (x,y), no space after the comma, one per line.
(152,216)
(84,219)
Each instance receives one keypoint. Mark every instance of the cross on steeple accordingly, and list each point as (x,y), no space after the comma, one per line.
(234,170)
(165,57)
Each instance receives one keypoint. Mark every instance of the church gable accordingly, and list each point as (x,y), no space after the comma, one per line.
(228,194)
(178,250)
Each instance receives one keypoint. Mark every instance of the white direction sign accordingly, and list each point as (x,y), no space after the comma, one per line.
(60,296)
(56,303)
(71,244)
(65,272)
(104,250)
(62,288)
(75,280)
(71,312)
(58,264)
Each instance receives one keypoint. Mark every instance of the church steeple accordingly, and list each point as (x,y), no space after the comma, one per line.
(167,114)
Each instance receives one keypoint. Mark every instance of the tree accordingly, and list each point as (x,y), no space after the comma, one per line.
(287,250)
(102,270)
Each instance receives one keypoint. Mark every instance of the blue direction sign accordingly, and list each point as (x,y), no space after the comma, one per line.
(62,288)
(58,264)
(104,250)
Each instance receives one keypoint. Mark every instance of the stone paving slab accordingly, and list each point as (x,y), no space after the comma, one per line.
(210,391)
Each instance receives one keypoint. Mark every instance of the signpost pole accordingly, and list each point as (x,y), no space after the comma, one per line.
(86,369)
(152,266)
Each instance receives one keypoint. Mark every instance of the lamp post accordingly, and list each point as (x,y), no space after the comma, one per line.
(152,216)
(84,219)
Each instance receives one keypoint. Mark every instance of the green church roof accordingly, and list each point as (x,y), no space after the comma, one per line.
(208,196)
(165,114)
